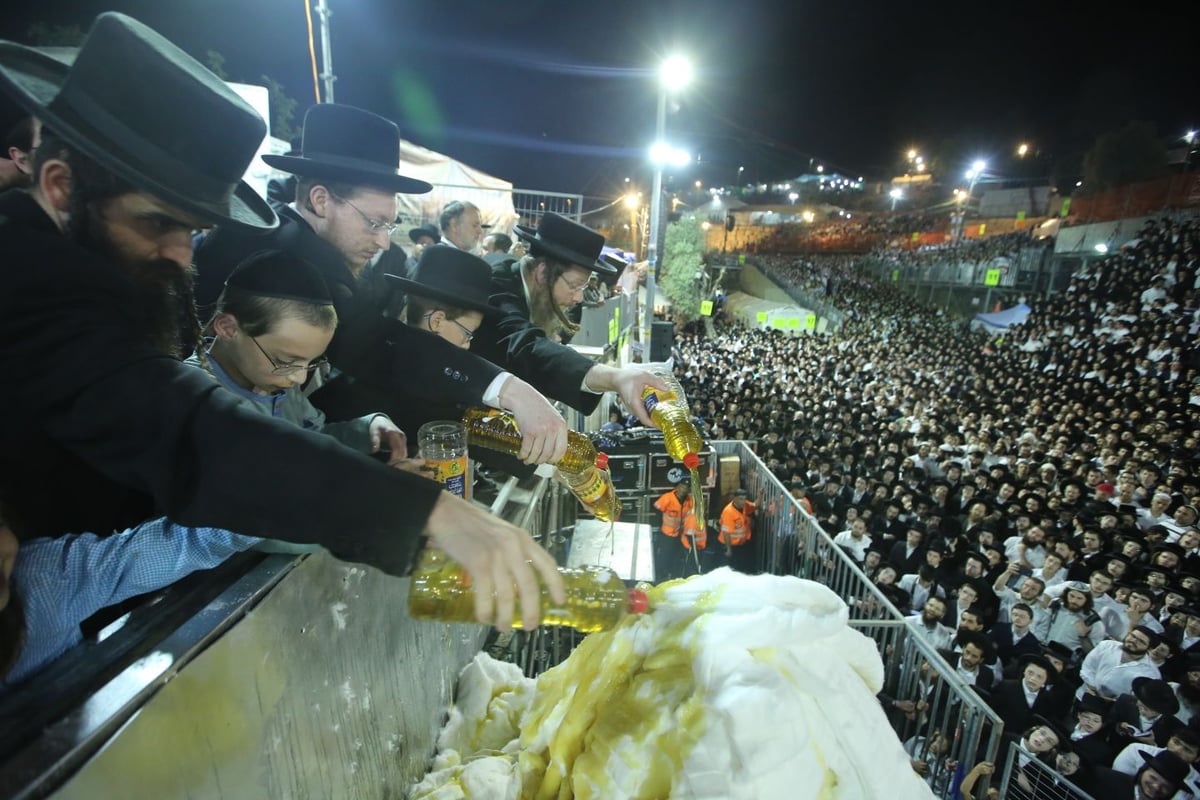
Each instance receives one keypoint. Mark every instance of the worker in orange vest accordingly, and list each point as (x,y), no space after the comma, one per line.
(676,507)
(800,492)
(735,531)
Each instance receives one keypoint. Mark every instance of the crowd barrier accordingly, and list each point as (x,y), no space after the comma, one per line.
(789,541)
(1026,778)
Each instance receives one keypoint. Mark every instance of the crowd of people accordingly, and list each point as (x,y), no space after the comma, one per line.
(1030,498)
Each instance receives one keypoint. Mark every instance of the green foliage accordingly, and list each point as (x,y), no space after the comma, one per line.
(1131,154)
(41,34)
(681,274)
(283,110)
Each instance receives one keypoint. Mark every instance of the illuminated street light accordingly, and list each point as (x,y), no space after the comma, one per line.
(631,201)
(793,197)
(674,74)
(739,178)
(896,194)
(1022,150)
(699,185)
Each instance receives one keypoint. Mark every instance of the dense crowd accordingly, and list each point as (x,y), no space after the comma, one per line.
(1031,498)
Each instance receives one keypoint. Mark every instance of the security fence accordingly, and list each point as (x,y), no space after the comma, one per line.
(1026,778)
(945,726)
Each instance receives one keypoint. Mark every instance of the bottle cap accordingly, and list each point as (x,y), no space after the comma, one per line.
(638,602)
(601,460)
(691,461)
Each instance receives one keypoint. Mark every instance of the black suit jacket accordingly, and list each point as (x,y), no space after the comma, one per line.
(1001,634)
(983,676)
(906,564)
(90,405)
(1125,710)
(1008,701)
(409,367)
(512,341)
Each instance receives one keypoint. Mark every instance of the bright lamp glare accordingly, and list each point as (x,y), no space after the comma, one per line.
(676,72)
(680,158)
(660,152)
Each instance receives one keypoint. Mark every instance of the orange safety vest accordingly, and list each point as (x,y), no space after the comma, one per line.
(693,531)
(735,525)
(673,512)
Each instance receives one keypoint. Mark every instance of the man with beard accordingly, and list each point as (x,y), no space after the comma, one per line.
(1028,550)
(1112,666)
(1070,621)
(343,212)
(100,427)
(930,625)
(533,297)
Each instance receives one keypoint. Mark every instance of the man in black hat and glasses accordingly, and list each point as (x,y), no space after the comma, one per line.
(533,296)
(342,217)
(100,426)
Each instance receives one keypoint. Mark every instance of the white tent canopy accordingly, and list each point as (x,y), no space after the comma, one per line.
(1000,321)
(755,312)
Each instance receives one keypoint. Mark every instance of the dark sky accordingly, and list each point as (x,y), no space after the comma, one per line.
(560,95)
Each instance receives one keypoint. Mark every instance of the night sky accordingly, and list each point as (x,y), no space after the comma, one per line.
(561,95)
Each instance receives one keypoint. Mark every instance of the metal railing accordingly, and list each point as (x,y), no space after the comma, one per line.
(1026,778)
(941,720)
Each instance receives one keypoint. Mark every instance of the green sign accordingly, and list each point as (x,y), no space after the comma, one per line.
(992,278)
(1020,216)
(742,259)
(612,330)
(706,308)
(916,236)
(895,275)
(810,322)
(779,323)
(982,228)
(617,315)
(1066,207)
(762,316)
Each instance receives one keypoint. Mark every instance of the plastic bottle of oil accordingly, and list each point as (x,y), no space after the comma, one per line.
(593,487)
(497,430)
(582,469)
(597,598)
(670,413)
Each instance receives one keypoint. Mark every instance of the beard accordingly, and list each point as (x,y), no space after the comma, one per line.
(162,292)
(546,314)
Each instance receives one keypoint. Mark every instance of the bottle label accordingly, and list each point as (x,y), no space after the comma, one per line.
(450,472)
(652,397)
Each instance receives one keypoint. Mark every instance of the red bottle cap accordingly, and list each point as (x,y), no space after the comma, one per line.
(638,602)
(601,461)
(691,461)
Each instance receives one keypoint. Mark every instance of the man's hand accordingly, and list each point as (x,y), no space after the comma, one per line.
(498,557)
(628,383)
(385,435)
(543,430)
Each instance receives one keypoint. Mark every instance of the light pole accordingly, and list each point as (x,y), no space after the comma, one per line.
(896,194)
(973,175)
(327,75)
(675,73)
(632,202)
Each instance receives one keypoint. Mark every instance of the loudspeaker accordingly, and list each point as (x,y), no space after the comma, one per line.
(662,338)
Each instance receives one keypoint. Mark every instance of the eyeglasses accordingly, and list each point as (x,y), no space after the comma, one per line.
(289,369)
(467,332)
(373,225)
(574,289)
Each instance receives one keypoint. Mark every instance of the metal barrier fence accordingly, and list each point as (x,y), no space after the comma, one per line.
(941,720)
(1027,778)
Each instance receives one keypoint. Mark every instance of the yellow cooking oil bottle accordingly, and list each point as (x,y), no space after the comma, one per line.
(597,598)
(582,469)
(670,413)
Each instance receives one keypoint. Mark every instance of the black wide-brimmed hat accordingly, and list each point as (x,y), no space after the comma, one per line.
(349,145)
(453,276)
(1171,767)
(566,240)
(1156,694)
(1039,660)
(149,113)
(1093,704)
(428,229)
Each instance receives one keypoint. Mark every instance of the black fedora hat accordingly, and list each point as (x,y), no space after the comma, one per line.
(453,276)
(1171,767)
(1156,694)
(351,145)
(1039,660)
(149,113)
(566,240)
(428,229)
(1093,704)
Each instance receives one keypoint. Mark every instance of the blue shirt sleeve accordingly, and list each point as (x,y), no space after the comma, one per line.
(60,582)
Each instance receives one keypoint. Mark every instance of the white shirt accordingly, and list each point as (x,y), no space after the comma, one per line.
(1103,669)
(857,546)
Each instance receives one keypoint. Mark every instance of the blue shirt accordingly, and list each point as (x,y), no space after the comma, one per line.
(60,582)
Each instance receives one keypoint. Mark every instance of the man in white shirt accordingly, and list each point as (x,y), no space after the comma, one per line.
(855,540)
(1110,668)
(929,624)
(1027,550)
(1184,742)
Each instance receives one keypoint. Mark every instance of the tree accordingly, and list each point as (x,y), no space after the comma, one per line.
(1131,154)
(681,275)
(283,110)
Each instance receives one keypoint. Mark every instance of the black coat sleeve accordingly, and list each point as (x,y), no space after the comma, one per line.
(81,375)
